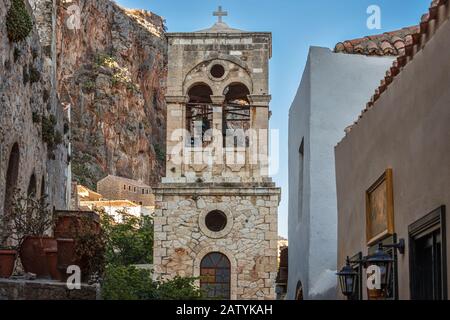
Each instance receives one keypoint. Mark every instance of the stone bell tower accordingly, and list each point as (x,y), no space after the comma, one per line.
(216,209)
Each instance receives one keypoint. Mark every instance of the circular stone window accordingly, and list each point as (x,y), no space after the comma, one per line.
(217,71)
(216,221)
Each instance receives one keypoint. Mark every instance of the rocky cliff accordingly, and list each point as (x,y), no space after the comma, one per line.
(111,71)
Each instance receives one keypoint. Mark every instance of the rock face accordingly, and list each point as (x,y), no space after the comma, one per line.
(112,72)
(33,143)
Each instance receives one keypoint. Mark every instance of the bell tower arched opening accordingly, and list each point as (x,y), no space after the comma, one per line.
(199,112)
(236,115)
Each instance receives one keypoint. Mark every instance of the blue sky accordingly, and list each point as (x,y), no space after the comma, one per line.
(296,25)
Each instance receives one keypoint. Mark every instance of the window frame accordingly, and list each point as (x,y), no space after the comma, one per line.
(423,227)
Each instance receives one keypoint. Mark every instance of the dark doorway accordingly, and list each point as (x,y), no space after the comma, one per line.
(31,192)
(12,174)
(428,257)
(215,276)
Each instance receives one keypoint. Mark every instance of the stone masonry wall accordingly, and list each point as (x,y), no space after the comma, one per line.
(245,57)
(26,101)
(249,240)
(45,290)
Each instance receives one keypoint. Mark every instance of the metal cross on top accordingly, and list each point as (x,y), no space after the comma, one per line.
(220,14)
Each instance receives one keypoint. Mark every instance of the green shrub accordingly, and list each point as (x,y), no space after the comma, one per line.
(82,174)
(105,60)
(129,242)
(18,21)
(88,86)
(127,283)
(130,283)
(120,75)
(48,129)
(179,289)
(90,248)
(50,135)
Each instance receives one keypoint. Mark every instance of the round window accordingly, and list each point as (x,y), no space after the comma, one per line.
(217,71)
(216,221)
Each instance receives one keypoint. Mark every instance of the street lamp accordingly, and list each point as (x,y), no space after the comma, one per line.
(347,279)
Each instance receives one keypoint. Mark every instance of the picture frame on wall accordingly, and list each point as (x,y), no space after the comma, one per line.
(380,209)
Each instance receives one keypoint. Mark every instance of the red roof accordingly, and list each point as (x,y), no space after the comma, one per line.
(413,44)
(386,44)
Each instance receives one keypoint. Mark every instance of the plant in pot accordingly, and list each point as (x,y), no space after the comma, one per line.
(90,249)
(8,253)
(32,221)
(80,242)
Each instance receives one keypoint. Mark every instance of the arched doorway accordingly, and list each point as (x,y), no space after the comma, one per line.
(12,175)
(215,276)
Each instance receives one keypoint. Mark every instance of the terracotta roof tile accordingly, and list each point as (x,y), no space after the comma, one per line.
(406,46)
(387,48)
(386,44)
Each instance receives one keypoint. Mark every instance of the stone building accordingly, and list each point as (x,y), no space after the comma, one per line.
(33,152)
(117,201)
(86,194)
(216,209)
(392,168)
(348,76)
(119,188)
(115,208)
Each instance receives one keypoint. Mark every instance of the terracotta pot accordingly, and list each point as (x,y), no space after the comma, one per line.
(65,256)
(7,260)
(33,257)
(52,263)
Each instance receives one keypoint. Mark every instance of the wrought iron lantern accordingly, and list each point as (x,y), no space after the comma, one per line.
(384,262)
(347,279)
